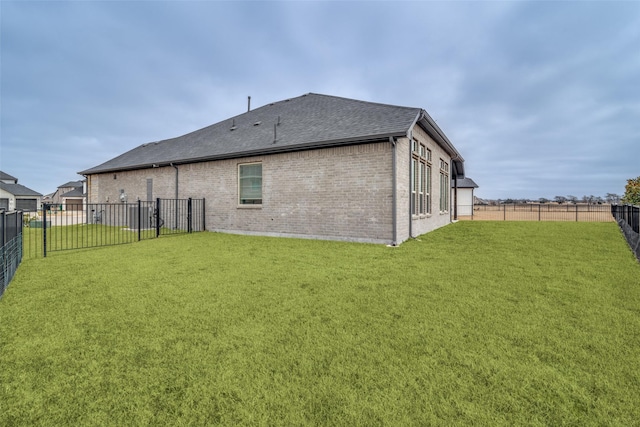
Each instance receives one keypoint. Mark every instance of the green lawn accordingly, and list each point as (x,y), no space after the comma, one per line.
(477,323)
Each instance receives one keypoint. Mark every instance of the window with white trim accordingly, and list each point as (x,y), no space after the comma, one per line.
(420,179)
(250,184)
(444,186)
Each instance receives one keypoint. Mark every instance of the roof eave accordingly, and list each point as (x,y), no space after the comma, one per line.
(430,126)
(274,149)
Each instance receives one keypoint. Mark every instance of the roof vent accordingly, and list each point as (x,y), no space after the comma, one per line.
(257,123)
(233,125)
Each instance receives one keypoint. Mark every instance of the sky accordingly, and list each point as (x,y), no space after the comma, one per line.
(541,98)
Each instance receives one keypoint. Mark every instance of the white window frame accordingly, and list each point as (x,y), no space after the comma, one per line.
(248,202)
(420,179)
(445,185)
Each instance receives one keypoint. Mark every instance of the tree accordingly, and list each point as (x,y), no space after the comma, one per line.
(612,198)
(572,199)
(560,199)
(632,192)
(543,200)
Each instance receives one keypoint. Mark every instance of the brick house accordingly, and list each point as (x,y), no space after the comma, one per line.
(70,196)
(315,166)
(14,196)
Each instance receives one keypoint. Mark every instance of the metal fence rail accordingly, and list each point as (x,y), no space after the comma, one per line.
(11,224)
(628,218)
(106,224)
(537,212)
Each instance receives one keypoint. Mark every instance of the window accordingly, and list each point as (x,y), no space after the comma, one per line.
(250,184)
(444,186)
(420,179)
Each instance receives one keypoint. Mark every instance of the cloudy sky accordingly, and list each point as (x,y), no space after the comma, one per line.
(541,98)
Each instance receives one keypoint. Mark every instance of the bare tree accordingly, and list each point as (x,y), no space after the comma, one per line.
(612,198)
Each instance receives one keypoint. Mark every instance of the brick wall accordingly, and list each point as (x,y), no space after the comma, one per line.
(341,193)
(424,223)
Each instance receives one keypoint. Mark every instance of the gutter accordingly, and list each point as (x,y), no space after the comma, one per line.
(436,133)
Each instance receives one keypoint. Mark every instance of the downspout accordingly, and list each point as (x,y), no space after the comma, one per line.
(176,202)
(455,196)
(176,168)
(394,196)
(411,199)
(455,186)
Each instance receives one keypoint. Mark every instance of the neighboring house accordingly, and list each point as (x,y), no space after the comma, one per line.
(314,166)
(70,196)
(465,196)
(14,196)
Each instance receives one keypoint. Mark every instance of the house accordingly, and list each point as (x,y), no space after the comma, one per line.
(314,166)
(465,196)
(70,196)
(14,196)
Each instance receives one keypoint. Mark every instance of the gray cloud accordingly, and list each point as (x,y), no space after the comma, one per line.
(541,98)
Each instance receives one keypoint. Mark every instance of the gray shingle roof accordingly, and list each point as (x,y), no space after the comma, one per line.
(76,192)
(73,184)
(6,177)
(308,121)
(466,183)
(18,190)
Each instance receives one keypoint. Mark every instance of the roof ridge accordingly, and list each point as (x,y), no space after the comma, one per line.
(363,101)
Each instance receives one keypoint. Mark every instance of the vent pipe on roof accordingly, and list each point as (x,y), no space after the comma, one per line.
(248,104)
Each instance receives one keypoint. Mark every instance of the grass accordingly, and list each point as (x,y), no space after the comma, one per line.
(483,323)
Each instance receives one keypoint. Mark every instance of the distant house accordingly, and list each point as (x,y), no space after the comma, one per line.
(70,196)
(465,196)
(14,196)
(315,166)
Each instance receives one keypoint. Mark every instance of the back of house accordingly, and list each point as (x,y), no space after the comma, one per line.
(315,166)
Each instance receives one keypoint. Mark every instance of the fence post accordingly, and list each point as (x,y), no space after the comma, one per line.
(204,227)
(45,207)
(139,220)
(189,217)
(576,213)
(539,217)
(158,217)
(21,225)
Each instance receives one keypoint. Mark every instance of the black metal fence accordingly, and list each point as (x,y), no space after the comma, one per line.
(10,246)
(105,224)
(537,212)
(628,218)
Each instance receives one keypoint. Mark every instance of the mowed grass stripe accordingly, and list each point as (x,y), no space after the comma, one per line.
(472,324)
